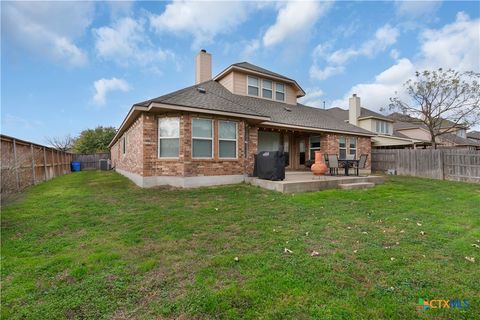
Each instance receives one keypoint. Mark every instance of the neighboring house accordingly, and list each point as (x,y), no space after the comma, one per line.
(474,136)
(383,127)
(209,133)
(455,136)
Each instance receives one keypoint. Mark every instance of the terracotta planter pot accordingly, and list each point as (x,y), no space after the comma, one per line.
(319,167)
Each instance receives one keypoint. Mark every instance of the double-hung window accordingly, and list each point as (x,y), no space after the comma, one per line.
(343,147)
(253,86)
(314,146)
(168,137)
(279,91)
(202,138)
(347,147)
(267,89)
(352,146)
(227,139)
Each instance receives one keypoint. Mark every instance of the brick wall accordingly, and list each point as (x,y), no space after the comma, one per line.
(364,145)
(142,149)
(132,160)
(330,145)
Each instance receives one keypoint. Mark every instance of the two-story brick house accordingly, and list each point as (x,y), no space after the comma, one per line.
(209,133)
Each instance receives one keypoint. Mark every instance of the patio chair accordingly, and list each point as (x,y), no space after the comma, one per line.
(333,164)
(361,163)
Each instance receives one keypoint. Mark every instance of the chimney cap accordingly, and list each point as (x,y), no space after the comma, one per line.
(354,95)
(203,50)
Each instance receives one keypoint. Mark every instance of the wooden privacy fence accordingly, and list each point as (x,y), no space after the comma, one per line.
(90,161)
(24,163)
(449,164)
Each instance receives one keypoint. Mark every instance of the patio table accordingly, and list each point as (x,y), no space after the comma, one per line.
(347,163)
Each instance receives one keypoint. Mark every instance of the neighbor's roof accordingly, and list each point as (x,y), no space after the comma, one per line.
(459,141)
(473,135)
(251,67)
(342,114)
(217,98)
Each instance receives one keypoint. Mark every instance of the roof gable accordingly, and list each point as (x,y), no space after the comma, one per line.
(248,67)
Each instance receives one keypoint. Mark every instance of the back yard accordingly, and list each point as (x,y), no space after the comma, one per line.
(92,245)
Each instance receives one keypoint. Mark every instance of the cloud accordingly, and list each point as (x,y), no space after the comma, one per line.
(250,48)
(31,26)
(313,98)
(416,9)
(103,86)
(455,45)
(126,43)
(384,37)
(294,19)
(201,19)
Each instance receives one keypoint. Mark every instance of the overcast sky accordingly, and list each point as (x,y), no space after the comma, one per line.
(70,66)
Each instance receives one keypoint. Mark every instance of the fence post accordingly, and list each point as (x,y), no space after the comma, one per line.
(33,164)
(45,163)
(15,164)
(441,160)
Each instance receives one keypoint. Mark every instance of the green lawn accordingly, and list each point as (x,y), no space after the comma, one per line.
(92,245)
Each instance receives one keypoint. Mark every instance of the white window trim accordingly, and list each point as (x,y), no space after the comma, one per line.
(222,139)
(203,138)
(310,146)
(272,98)
(259,82)
(284,94)
(158,151)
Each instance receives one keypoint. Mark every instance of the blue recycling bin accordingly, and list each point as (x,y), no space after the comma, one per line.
(75,166)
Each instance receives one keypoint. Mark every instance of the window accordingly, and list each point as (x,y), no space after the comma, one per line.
(268,141)
(252,86)
(279,91)
(347,147)
(382,127)
(124,145)
(202,138)
(227,139)
(343,147)
(267,89)
(168,137)
(314,146)
(352,146)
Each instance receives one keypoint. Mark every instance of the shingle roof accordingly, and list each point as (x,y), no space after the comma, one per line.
(473,135)
(217,98)
(340,113)
(453,138)
(249,66)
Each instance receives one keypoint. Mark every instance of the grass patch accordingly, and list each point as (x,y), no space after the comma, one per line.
(92,245)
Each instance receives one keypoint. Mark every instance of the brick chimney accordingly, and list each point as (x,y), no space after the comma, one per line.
(203,66)
(353,109)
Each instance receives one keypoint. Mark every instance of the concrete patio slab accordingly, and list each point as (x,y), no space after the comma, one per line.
(304,181)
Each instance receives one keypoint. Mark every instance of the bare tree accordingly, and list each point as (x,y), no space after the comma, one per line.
(441,100)
(61,143)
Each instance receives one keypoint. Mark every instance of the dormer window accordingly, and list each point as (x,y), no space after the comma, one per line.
(253,88)
(383,127)
(279,92)
(267,89)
